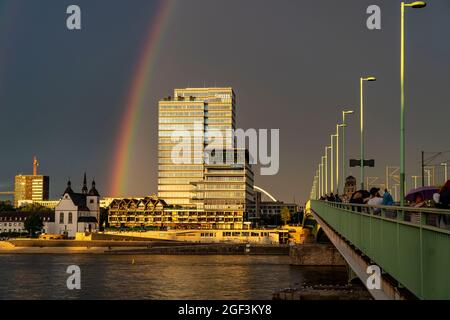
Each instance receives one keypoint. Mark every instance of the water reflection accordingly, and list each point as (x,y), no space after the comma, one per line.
(156,276)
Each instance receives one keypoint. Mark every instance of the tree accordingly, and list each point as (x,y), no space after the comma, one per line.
(285,215)
(34,207)
(33,223)
(6,206)
(103,223)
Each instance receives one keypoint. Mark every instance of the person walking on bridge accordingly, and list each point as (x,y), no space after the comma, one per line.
(387,198)
(375,199)
(444,203)
(444,196)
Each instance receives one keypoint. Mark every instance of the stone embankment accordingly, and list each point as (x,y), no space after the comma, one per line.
(212,248)
(315,254)
(324,292)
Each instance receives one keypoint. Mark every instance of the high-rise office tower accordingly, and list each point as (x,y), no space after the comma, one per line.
(31,187)
(191,117)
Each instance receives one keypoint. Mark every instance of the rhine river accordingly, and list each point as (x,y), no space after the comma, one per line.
(43,276)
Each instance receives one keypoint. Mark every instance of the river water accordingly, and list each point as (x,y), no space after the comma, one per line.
(43,276)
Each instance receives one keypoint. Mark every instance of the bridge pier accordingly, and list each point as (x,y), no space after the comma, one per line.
(359,264)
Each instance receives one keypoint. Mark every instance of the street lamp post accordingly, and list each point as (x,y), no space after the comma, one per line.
(326,168)
(415,181)
(361,116)
(317,184)
(344,113)
(320,180)
(444,164)
(332,136)
(428,171)
(416,5)
(395,192)
(313,189)
(323,175)
(337,154)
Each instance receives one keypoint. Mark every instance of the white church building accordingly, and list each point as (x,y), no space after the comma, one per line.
(77,212)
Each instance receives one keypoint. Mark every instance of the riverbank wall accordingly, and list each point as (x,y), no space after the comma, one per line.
(324,292)
(213,248)
(316,254)
(135,247)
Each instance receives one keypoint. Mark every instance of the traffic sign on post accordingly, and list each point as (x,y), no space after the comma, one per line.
(357,163)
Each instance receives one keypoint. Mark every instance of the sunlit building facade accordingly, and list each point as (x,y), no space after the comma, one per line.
(227,187)
(156,213)
(188,120)
(31,187)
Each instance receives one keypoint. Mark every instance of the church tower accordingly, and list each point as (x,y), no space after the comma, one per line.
(93,201)
(84,190)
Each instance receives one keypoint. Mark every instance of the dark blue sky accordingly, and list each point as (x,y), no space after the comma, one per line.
(293,65)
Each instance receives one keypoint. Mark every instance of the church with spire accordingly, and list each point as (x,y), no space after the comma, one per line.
(77,212)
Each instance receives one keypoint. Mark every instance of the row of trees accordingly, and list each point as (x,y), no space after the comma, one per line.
(6,206)
(284,217)
(32,207)
(33,222)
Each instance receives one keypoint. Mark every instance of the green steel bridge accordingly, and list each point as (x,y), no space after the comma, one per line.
(411,246)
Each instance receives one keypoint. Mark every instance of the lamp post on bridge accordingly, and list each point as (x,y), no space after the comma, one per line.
(315,191)
(415,181)
(337,154)
(428,171)
(326,168)
(361,116)
(444,164)
(395,191)
(332,136)
(344,113)
(316,185)
(319,189)
(415,5)
(314,188)
(322,167)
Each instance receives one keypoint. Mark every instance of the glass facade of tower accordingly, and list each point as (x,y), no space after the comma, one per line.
(227,187)
(29,187)
(191,120)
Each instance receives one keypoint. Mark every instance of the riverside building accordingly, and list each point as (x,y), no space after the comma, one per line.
(31,187)
(203,181)
(187,119)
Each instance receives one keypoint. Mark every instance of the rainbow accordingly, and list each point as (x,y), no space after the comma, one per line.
(140,87)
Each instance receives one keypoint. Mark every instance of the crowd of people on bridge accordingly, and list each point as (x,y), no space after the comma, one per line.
(374,197)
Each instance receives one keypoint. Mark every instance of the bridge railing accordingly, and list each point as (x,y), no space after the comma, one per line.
(411,244)
(424,216)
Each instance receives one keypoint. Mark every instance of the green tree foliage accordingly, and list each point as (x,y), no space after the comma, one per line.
(285,215)
(103,223)
(6,206)
(33,223)
(270,219)
(34,207)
